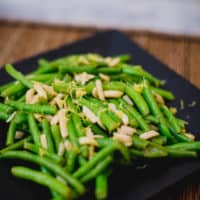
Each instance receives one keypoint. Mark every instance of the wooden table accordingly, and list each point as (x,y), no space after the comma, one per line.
(182,54)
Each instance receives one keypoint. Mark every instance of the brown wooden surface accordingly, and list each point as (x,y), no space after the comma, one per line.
(20,40)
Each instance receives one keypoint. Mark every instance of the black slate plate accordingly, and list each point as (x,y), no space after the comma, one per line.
(125,183)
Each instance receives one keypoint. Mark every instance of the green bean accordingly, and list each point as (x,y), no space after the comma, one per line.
(47,163)
(94,161)
(155,152)
(76,69)
(72,132)
(56,135)
(111,70)
(179,136)
(124,58)
(4,116)
(71,159)
(35,108)
(139,143)
(194,146)
(161,140)
(171,118)
(138,71)
(18,76)
(47,131)
(152,119)
(5,108)
(34,130)
(42,152)
(20,118)
(101,186)
(108,121)
(13,89)
(11,133)
(81,160)
(181,153)
(138,99)
(42,179)
(156,112)
(100,167)
(16,145)
(164,93)
(141,122)
(5,86)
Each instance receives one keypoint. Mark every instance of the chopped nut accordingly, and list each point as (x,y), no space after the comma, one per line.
(40,90)
(119,113)
(112,93)
(138,87)
(29,95)
(11,117)
(61,149)
(149,135)
(127,99)
(88,141)
(127,130)
(173,110)
(89,114)
(189,135)
(104,77)
(125,139)
(43,140)
(80,92)
(159,99)
(99,89)
(19,135)
(83,77)
(68,145)
(63,123)
(49,90)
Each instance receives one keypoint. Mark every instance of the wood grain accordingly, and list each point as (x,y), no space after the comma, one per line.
(20,40)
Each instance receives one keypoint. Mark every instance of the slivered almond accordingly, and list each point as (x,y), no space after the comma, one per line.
(89,114)
(127,130)
(91,151)
(94,93)
(61,149)
(88,141)
(68,145)
(59,178)
(38,117)
(49,90)
(159,99)
(29,95)
(40,90)
(63,123)
(80,92)
(99,89)
(19,135)
(36,99)
(112,93)
(11,117)
(127,99)
(125,139)
(119,113)
(149,135)
(189,135)
(83,77)
(104,77)
(55,119)
(43,140)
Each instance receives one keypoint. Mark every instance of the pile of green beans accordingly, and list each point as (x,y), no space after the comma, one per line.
(77,115)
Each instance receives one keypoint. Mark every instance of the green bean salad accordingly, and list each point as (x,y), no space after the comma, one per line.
(77,116)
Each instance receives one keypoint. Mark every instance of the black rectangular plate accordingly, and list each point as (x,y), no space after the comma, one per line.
(126,183)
